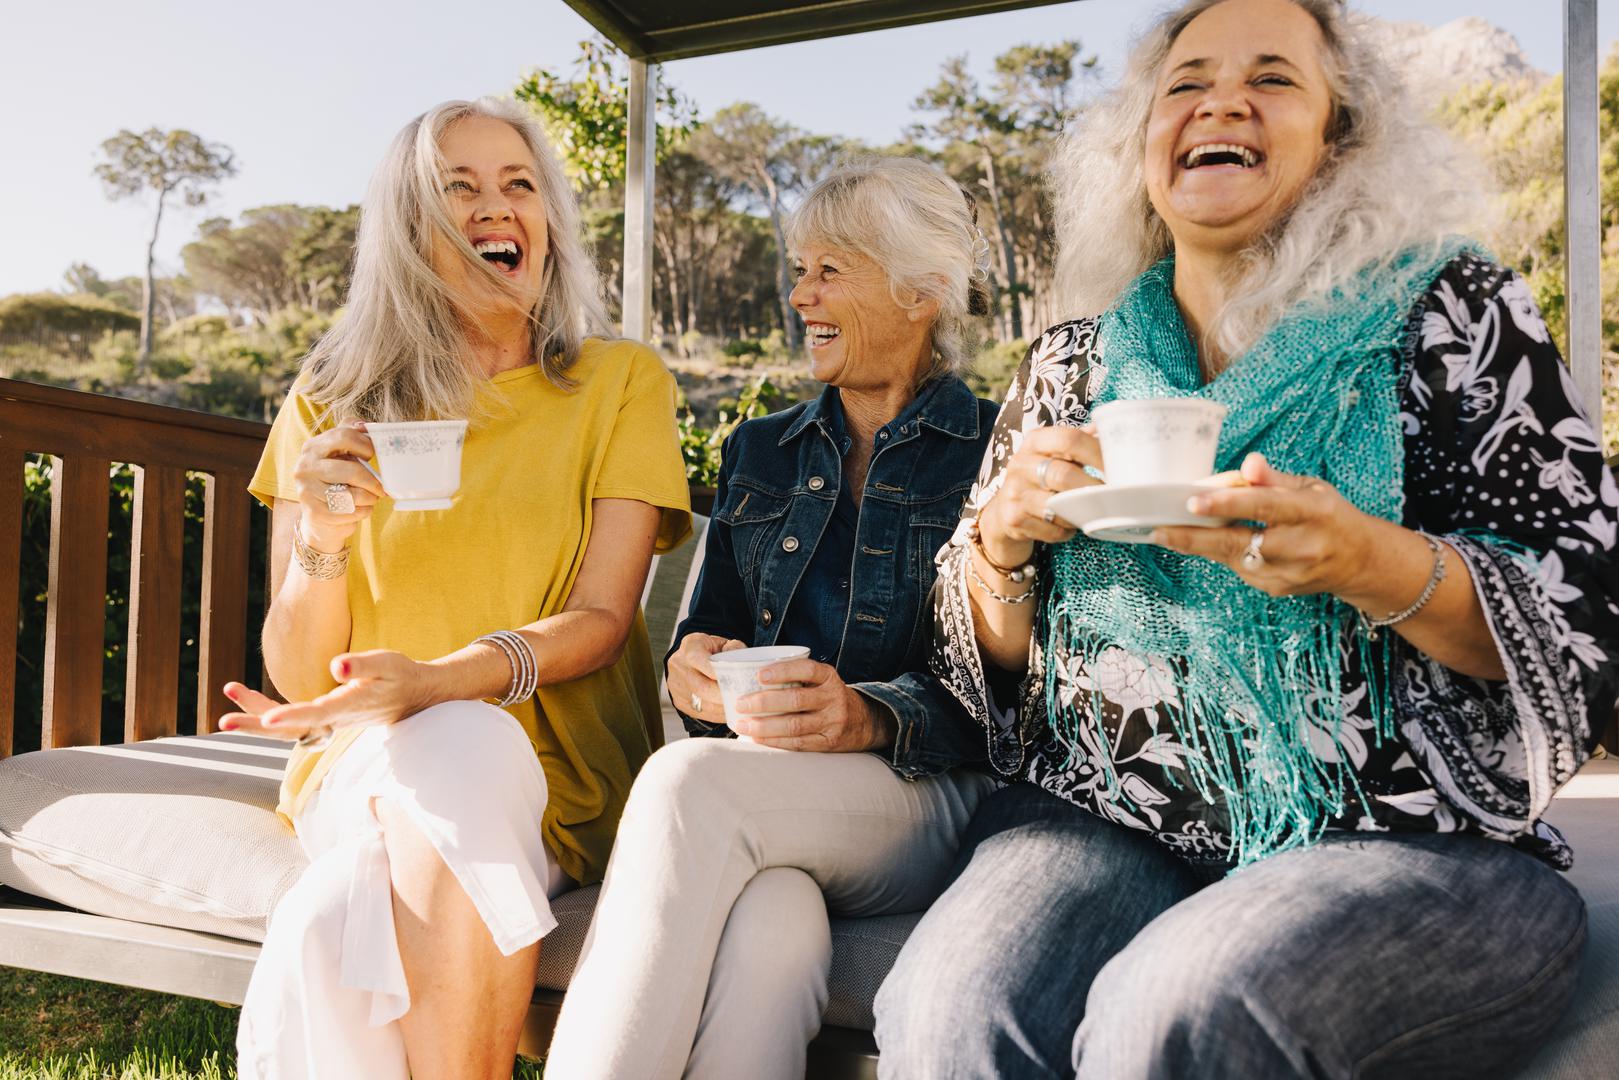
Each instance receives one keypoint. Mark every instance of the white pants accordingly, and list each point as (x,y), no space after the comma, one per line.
(329,987)
(710,948)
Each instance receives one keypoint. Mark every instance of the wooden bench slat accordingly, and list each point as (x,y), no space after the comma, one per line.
(11,504)
(75,614)
(68,423)
(223,633)
(152,680)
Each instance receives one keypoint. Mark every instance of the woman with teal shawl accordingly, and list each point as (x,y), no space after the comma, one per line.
(1275,787)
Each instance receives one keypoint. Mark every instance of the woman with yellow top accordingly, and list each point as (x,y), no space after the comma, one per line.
(439,826)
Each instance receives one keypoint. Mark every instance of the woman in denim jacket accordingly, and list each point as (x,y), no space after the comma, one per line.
(711,946)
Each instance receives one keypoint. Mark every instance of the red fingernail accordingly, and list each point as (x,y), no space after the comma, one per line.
(343,669)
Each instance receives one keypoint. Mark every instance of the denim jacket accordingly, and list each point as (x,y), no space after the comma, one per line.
(779,480)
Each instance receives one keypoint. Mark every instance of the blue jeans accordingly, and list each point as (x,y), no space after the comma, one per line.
(1068,945)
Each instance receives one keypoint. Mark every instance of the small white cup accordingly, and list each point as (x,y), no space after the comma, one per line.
(1158,440)
(737,672)
(420,461)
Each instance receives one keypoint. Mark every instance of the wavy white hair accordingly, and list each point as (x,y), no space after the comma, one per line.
(400,351)
(921,228)
(1391,181)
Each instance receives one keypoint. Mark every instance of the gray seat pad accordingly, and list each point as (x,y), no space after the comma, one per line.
(182,832)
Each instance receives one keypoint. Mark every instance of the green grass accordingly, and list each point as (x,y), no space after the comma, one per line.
(53,1028)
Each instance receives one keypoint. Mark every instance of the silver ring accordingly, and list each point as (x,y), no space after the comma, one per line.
(696,704)
(339,499)
(1049,516)
(1252,557)
(315,739)
(1040,473)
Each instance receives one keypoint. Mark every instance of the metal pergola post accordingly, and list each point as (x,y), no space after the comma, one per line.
(638,186)
(1582,202)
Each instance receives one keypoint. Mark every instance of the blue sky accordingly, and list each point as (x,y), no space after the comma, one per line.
(308,92)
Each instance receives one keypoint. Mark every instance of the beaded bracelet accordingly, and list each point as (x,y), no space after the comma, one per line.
(1017,575)
(1021,598)
(525,669)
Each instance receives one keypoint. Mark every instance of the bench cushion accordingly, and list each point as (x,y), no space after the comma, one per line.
(181,832)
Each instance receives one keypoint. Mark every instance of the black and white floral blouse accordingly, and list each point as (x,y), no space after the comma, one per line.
(1494,443)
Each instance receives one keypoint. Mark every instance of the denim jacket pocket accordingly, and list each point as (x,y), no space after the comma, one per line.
(754,517)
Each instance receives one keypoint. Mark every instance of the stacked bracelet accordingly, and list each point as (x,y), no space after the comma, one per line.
(1372,625)
(320,565)
(525,669)
(1020,598)
(1017,575)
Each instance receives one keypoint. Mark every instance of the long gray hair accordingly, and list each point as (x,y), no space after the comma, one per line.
(401,349)
(1390,182)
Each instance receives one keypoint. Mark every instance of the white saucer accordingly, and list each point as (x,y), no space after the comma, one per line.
(423,504)
(1128,515)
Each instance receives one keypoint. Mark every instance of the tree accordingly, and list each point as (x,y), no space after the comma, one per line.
(770,161)
(587,116)
(85,280)
(274,257)
(995,142)
(1517,129)
(165,163)
(320,258)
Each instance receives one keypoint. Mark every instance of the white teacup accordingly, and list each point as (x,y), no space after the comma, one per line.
(737,672)
(420,461)
(1158,440)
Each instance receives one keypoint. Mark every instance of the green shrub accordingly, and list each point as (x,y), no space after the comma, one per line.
(994,367)
(31,313)
(33,595)
(736,350)
(700,446)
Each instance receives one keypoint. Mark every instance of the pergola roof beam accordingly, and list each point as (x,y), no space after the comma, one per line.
(657,30)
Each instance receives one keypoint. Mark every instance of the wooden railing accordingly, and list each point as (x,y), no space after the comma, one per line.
(84,435)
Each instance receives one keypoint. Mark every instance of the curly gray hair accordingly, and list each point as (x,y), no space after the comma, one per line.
(1390,182)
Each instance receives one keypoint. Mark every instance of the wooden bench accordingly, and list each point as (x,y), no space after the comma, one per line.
(226,777)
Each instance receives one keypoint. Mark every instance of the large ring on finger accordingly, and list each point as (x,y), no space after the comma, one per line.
(1252,557)
(696,704)
(1040,474)
(314,739)
(339,499)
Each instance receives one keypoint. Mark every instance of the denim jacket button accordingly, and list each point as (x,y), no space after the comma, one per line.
(790,544)
(816,483)
(764,616)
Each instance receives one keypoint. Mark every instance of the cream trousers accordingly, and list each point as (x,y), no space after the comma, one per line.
(709,953)
(329,987)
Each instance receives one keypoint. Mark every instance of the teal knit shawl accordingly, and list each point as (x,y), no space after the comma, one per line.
(1256,679)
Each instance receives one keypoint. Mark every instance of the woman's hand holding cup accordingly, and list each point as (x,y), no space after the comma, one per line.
(1051,459)
(805,705)
(690,676)
(335,457)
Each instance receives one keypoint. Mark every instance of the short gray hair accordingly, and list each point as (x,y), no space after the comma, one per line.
(1391,182)
(920,227)
(399,351)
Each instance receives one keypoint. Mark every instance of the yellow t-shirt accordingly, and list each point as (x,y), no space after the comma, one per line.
(427,582)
